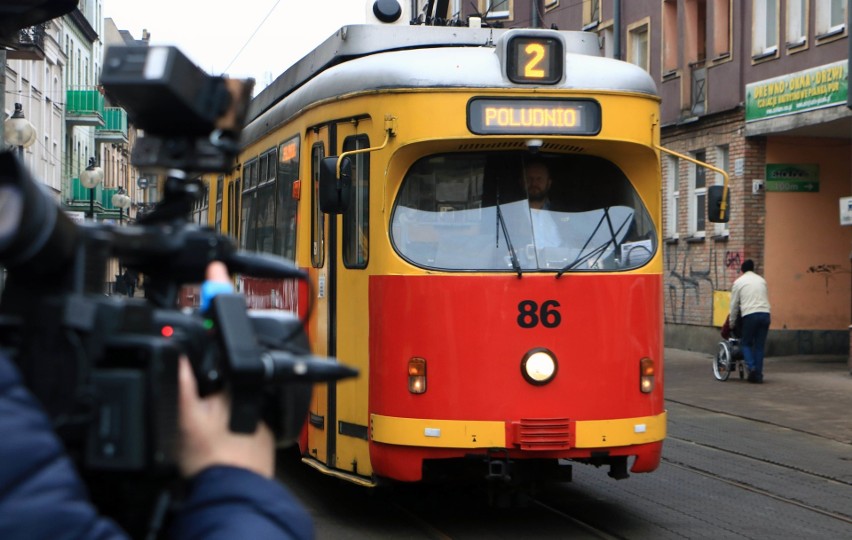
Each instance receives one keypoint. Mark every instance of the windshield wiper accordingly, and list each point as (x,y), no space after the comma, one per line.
(600,249)
(516,264)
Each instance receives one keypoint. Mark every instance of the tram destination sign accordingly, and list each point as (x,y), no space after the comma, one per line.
(504,116)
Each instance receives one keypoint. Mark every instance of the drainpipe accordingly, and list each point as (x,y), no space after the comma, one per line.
(536,14)
(2,93)
(616,29)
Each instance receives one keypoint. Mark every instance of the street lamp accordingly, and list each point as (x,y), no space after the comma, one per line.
(90,178)
(18,130)
(121,201)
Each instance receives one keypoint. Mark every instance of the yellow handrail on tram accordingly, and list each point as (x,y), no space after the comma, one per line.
(390,131)
(723,207)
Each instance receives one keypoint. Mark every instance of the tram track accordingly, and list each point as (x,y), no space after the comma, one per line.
(744,455)
(436,527)
(587,527)
(753,419)
(799,468)
(764,461)
(759,491)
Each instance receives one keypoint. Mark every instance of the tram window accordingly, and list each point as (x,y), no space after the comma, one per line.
(200,208)
(356,219)
(219,196)
(263,169)
(259,205)
(287,206)
(590,217)
(234,208)
(317,218)
(263,222)
(247,239)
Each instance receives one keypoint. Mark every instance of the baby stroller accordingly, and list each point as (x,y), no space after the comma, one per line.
(729,357)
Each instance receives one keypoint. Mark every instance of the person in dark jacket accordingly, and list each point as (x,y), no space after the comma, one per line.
(232,492)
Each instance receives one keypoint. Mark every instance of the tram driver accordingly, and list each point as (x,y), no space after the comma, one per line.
(537,181)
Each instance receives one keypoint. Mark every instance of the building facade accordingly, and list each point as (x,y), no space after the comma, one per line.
(51,73)
(760,89)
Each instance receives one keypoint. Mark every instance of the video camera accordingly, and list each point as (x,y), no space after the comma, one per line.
(105,367)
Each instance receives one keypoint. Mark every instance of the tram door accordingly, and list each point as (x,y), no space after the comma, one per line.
(351,301)
(338,427)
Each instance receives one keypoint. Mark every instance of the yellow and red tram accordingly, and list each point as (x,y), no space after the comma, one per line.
(494,337)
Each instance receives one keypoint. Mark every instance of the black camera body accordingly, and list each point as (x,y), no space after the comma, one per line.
(106,368)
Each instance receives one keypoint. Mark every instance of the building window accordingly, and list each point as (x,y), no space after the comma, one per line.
(695,31)
(722,162)
(672,196)
(797,23)
(830,17)
(697,195)
(591,13)
(606,41)
(455,9)
(670,45)
(721,28)
(637,44)
(497,9)
(765,31)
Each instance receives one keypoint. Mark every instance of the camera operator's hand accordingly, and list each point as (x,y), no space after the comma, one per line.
(232,490)
(205,437)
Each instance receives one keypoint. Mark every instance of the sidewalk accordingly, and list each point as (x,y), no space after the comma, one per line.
(807,393)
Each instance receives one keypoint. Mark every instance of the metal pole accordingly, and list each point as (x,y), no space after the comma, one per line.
(2,93)
(92,204)
(616,31)
(535,15)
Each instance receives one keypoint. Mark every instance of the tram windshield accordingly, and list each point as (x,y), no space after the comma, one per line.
(521,212)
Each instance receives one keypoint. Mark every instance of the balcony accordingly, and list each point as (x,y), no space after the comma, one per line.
(29,44)
(114,129)
(78,200)
(84,107)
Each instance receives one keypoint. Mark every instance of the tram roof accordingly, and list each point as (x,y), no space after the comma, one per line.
(355,41)
(404,57)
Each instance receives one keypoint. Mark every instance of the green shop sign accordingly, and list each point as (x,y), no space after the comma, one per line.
(814,88)
(792,177)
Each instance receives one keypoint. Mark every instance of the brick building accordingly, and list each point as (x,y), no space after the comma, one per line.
(758,88)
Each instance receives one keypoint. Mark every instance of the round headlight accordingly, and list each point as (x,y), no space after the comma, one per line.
(539,366)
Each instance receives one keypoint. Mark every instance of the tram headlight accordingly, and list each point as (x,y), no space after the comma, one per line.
(417,375)
(539,366)
(646,375)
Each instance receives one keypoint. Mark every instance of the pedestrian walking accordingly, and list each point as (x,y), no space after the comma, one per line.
(750,301)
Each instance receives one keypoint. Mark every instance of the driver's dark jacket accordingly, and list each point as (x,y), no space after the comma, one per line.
(42,497)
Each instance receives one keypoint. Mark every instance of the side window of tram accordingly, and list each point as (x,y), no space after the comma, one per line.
(247,236)
(264,204)
(220,183)
(317,218)
(356,219)
(287,198)
(234,208)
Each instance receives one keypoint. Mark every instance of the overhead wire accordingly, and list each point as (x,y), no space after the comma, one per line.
(251,37)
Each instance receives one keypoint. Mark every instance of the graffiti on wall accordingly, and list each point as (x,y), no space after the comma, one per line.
(828,272)
(698,282)
(692,279)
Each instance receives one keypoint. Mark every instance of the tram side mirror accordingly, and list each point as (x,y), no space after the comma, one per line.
(334,191)
(718,204)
